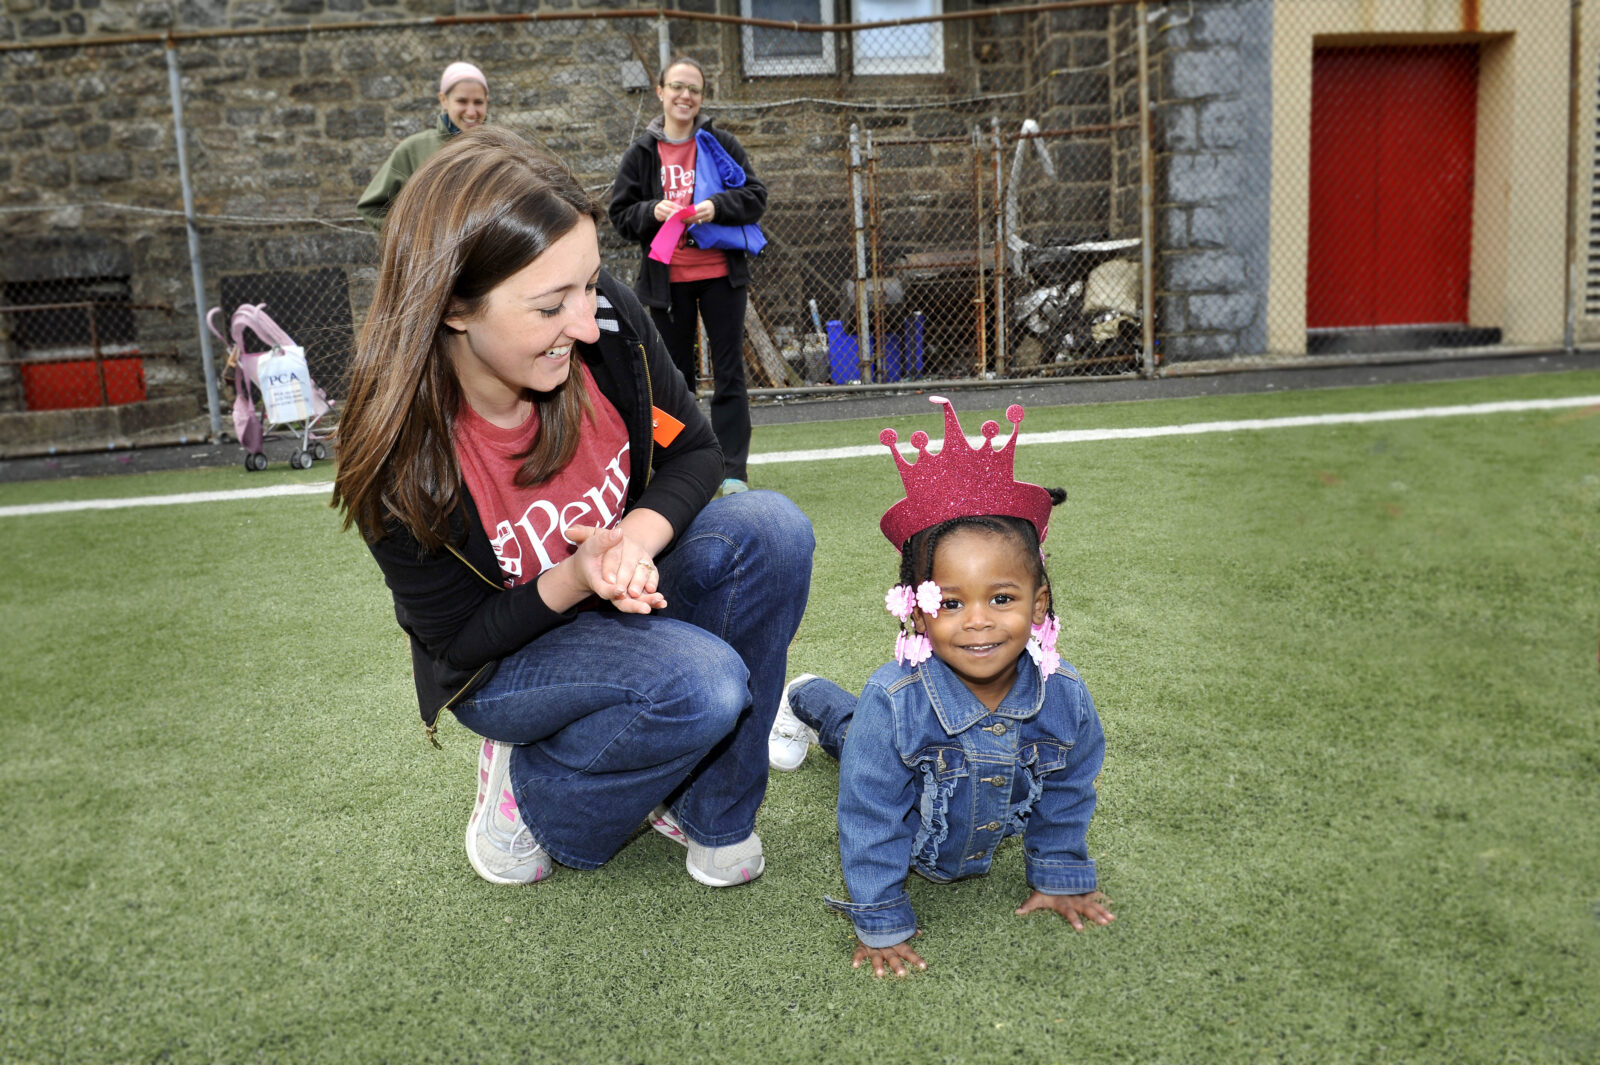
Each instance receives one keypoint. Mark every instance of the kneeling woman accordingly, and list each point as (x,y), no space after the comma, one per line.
(535,482)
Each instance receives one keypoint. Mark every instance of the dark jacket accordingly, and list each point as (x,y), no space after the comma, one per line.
(452,604)
(637,189)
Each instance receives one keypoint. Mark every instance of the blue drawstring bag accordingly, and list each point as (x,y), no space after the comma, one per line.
(715,171)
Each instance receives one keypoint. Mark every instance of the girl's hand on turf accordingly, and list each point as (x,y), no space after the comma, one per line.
(1074,908)
(899,959)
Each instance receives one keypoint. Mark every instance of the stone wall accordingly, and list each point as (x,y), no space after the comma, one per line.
(284,129)
(1211,126)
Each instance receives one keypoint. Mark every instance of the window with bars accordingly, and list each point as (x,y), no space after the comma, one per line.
(915,49)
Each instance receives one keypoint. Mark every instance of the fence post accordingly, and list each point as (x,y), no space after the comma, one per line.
(1569,333)
(977,247)
(1146,199)
(213,406)
(663,43)
(863,326)
(1002,364)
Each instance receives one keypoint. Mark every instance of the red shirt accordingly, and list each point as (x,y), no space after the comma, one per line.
(677,183)
(528,525)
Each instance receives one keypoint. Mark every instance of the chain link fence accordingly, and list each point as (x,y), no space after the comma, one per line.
(957,191)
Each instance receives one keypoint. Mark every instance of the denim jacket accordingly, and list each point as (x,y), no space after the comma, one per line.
(930,781)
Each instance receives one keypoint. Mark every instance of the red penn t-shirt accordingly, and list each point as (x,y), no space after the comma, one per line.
(528,525)
(677,183)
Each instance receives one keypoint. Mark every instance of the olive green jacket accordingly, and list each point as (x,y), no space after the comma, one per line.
(403,162)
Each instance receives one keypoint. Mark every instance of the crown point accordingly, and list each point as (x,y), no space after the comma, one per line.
(990,430)
(919,440)
(1014,414)
(888,437)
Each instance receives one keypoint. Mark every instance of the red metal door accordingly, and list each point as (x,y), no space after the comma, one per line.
(1393,136)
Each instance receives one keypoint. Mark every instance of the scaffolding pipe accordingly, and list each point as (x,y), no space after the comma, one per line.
(874,221)
(863,329)
(1001,362)
(196,270)
(1569,333)
(977,245)
(663,43)
(1147,315)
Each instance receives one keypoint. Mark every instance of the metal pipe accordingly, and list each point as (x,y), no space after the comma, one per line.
(1043,134)
(663,43)
(1001,348)
(863,327)
(874,221)
(1147,269)
(99,366)
(196,270)
(977,245)
(1569,332)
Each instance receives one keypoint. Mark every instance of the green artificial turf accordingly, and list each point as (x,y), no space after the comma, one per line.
(1350,809)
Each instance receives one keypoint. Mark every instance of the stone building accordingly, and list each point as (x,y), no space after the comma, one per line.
(289,106)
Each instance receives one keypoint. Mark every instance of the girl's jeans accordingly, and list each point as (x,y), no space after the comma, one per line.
(614,714)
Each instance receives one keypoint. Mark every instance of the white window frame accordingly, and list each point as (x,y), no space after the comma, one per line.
(769,67)
(929,60)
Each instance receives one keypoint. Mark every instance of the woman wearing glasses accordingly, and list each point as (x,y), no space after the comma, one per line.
(656,184)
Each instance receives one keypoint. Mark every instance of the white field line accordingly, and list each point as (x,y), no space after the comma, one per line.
(1061,436)
(1079,436)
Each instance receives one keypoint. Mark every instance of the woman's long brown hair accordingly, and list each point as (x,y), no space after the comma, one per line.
(484,206)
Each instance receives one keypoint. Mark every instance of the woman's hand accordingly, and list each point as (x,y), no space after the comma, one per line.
(614,566)
(704,211)
(665,209)
(900,958)
(1074,908)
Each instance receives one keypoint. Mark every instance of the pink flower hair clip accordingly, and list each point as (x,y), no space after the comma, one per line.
(910,645)
(1042,645)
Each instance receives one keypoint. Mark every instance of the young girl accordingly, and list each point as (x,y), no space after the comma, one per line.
(977,730)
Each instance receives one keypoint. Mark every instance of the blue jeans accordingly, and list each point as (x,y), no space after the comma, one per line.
(615,713)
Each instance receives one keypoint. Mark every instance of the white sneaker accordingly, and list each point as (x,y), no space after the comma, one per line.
(790,738)
(663,822)
(499,845)
(737,863)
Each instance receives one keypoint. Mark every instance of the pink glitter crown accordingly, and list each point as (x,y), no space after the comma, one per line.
(960,481)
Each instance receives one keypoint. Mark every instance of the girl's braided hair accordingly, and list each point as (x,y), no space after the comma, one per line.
(917,553)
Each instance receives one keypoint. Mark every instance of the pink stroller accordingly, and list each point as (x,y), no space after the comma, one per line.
(279,379)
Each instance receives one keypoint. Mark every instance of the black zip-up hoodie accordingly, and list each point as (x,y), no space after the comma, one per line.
(637,189)
(452,604)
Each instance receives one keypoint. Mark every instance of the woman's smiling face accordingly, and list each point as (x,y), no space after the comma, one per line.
(682,89)
(520,339)
(467,103)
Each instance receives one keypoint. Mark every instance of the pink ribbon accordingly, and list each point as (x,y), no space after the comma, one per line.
(667,237)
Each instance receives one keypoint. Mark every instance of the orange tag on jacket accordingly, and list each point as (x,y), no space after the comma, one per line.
(664,427)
